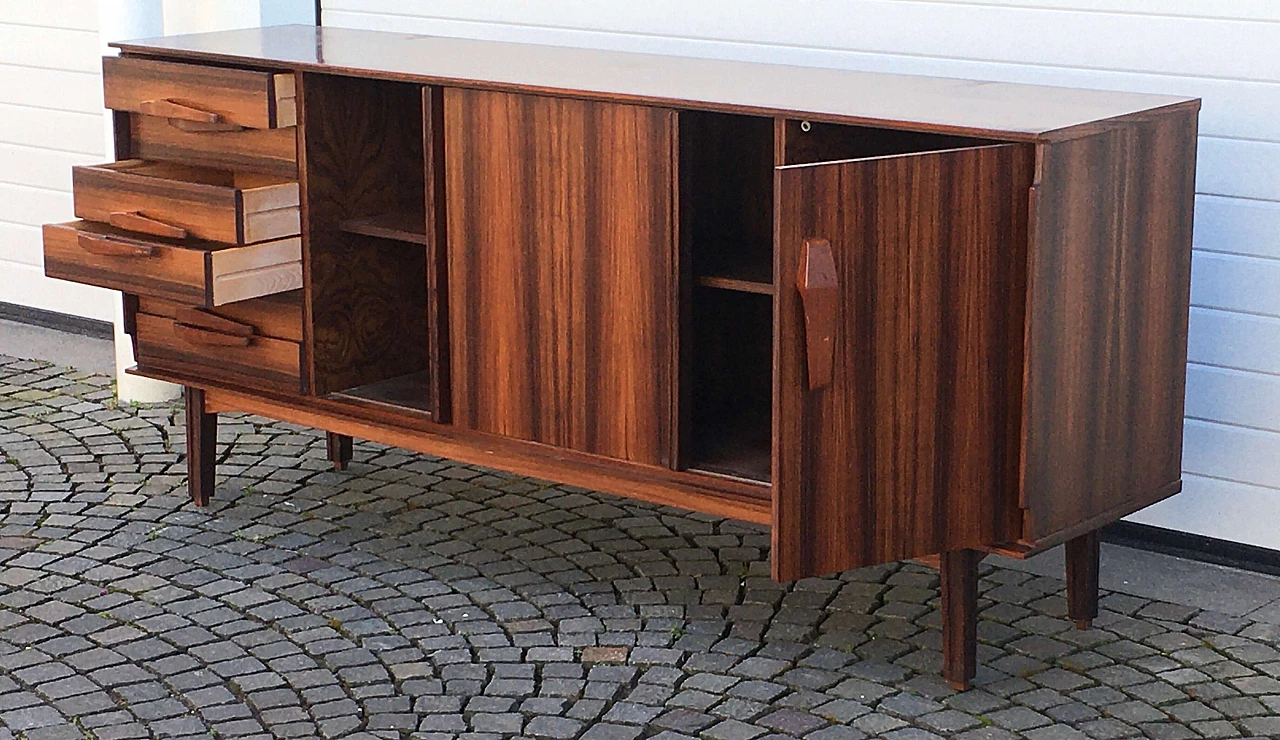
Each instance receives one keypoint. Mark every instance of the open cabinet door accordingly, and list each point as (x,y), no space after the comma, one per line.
(899,304)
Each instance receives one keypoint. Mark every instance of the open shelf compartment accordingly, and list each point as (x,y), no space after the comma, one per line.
(375,302)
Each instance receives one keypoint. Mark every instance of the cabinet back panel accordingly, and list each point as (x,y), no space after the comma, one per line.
(726,194)
(562,271)
(731,383)
(366,297)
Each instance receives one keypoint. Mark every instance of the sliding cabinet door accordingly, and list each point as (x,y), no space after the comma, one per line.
(899,336)
(562,271)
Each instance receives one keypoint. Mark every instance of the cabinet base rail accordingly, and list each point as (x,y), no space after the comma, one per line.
(958,568)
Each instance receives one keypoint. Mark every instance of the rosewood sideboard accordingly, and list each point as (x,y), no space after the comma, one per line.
(889,316)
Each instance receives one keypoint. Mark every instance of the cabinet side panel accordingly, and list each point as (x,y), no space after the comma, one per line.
(1107,323)
(366,297)
(561,269)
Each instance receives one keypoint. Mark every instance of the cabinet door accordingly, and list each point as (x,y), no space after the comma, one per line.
(562,271)
(899,331)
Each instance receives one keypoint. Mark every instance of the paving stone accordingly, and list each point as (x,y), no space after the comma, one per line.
(419,597)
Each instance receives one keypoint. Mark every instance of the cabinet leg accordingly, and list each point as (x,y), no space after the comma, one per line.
(1082,579)
(202,438)
(959,570)
(339,449)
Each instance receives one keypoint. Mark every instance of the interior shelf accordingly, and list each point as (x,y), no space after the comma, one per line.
(726,207)
(740,450)
(411,391)
(404,226)
(747,277)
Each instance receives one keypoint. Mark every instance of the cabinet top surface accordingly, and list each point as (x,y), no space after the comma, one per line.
(1022,111)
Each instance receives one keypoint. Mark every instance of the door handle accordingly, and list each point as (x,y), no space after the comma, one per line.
(105,247)
(135,221)
(819,289)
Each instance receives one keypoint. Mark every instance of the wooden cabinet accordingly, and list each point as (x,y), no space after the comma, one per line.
(890,317)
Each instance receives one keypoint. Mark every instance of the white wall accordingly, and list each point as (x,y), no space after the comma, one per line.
(50,119)
(1225,52)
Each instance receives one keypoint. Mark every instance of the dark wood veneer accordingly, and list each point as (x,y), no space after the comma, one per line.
(906,452)
(367,297)
(1110,273)
(560,263)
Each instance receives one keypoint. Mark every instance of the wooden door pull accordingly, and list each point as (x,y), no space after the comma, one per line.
(135,221)
(105,247)
(200,335)
(820,295)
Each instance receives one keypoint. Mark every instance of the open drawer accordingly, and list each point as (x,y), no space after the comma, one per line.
(199,97)
(255,343)
(178,200)
(195,272)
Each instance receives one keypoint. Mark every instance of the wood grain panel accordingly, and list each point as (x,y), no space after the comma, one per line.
(219,205)
(169,271)
(561,267)
(261,362)
(367,302)
(269,151)
(1107,322)
(237,96)
(193,271)
(909,450)
(278,315)
(716,496)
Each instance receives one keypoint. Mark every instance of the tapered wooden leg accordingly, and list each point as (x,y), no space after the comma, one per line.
(1082,579)
(959,570)
(339,449)
(202,438)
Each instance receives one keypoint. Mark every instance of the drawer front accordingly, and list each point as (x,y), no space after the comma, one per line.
(278,316)
(204,96)
(201,202)
(192,272)
(269,151)
(198,346)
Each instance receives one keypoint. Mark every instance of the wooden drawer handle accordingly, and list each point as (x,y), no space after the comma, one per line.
(134,221)
(820,295)
(199,127)
(186,117)
(199,335)
(170,108)
(101,245)
(202,319)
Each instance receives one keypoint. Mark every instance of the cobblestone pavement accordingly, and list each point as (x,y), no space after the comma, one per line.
(412,597)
